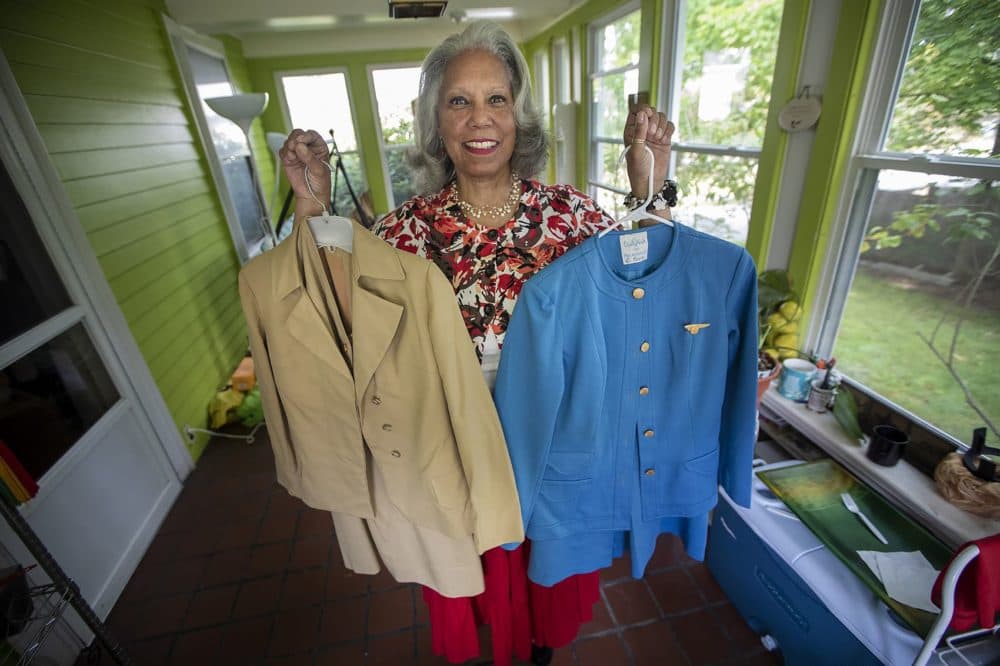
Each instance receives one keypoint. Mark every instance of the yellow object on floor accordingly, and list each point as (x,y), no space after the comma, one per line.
(219,406)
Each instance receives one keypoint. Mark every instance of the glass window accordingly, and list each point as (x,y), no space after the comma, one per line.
(914,309)
(321,102)
(50,397)
(30,289)
(212,80)
(724,93)
(561,72)
(614,76)
(395,93)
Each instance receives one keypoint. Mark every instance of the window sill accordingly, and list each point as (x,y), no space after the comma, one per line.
(906,487)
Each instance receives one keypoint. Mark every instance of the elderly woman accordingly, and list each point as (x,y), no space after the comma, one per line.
(489,227)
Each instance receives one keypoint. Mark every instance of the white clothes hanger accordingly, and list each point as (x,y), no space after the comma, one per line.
(639,213)
(331,231)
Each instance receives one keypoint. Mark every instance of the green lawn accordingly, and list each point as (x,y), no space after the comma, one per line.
(878,345)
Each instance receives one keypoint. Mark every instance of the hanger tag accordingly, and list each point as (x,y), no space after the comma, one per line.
(635,247)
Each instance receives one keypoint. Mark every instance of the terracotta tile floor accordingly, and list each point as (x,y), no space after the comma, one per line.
(242,573)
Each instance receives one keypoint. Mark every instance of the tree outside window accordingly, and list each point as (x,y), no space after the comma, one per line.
(921,317)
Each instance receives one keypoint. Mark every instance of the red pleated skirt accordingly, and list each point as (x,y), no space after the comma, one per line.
(520,613)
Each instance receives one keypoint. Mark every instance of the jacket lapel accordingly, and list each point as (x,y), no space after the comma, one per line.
(376,319)
(304,322)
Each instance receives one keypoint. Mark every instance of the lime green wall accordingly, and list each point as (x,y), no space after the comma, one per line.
(101,84)
(262,75)
(788,61)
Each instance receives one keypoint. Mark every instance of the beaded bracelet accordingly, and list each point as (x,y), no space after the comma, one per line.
(665,198)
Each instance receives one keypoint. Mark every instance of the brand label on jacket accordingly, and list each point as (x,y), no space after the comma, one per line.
(635,248)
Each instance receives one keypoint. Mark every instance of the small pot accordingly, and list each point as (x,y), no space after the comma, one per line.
(820,399)
(765,377)
(886,447)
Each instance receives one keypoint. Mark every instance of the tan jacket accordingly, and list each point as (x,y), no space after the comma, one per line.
(415,394)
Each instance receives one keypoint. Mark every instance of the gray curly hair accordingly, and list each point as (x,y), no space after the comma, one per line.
(432,168)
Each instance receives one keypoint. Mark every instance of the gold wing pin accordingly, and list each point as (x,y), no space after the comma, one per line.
(694,328)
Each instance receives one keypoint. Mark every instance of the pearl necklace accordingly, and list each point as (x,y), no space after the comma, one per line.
(484,212)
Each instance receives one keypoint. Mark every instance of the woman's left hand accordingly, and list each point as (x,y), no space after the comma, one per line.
(644,123)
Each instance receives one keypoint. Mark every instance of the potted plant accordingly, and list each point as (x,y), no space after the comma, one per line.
(778,314)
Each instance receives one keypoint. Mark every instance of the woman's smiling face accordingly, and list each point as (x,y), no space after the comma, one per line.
(476,115)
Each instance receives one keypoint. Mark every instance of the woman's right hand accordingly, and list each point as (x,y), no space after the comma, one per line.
(307,150)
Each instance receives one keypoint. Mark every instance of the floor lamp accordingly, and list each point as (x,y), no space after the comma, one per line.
(242,109)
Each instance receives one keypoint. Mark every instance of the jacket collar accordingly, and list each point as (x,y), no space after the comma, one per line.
(371,257)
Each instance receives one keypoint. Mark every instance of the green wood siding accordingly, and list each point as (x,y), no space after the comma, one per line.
(101,84)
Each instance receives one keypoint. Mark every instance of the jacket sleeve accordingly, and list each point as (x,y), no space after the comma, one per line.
(529,389)
(474,422)
(739,411)
(285,460)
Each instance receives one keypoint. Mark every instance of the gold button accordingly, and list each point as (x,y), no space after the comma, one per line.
(376,401)
(638,293)
(648,433)
(650,472)
(644,347)
(643,390)
(395,453)
(387,427)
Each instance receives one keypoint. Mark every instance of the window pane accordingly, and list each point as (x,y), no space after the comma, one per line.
(320,102)
(611,102)
(729,56)
(618,43)
(716,194)
(342,202)
(395,90)
(212,80)
(51,397)
(399,174)
(30,289)
(609,171)
(239,180)
(611,202)
(928,240)
(948,100)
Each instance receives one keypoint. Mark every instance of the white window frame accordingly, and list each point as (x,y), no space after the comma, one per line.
(383,148)
(594,59)
(867,159)
(287,116)
(543,92)
(181,36)
(562,74)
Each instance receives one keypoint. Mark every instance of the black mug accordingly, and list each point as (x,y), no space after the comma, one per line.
(886,446)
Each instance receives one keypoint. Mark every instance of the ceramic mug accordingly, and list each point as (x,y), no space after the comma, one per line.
(820,399)
(795,379)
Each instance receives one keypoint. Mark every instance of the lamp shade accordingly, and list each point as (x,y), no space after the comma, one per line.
(275,140)
(241,109)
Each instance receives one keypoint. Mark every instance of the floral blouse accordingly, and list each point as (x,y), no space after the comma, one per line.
(488,266)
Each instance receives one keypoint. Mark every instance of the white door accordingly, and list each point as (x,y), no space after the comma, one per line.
(77,405)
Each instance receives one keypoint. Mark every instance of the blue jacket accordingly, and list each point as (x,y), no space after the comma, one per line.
(615,375)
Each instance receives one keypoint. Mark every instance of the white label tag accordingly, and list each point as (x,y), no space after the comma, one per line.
(491,358)
(635,248)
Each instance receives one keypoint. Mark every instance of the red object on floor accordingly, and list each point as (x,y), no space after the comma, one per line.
(518,611)
(977,595)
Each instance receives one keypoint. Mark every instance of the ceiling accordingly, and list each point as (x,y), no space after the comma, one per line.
(289,27)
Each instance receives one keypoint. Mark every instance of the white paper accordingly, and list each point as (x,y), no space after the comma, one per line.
(907,577)
(491,358)
(635,247)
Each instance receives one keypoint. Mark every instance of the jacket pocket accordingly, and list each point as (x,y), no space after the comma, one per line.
(558,501)
(569,466)
(707,464)
(451,492)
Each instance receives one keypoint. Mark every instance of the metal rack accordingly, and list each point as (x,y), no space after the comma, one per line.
(50,600)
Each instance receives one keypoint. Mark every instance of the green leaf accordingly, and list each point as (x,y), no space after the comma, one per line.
(845,410)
